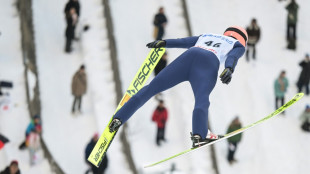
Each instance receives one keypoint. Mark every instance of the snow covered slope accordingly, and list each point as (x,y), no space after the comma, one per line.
(279,146)
(14,114)
(67,134)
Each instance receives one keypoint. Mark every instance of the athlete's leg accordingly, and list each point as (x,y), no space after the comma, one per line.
(173,74)
(203,79)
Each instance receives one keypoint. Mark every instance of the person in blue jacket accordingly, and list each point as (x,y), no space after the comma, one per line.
(35,121)
(199,65)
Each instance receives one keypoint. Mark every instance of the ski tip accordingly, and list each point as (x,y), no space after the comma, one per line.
(300,94)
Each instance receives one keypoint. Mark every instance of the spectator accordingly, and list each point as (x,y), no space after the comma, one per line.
(72,19)
(36,121)
(254,34)
(89,148)
(79,86)
(160,22)
(33,143)
(12,169)
(161,64)
(5,84)
(3,140)
(160,116)
(304,76)
(292,9)
(280,87)
(72,4)
(305,119)
(5,101)
(234,140)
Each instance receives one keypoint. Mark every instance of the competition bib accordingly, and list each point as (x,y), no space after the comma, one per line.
(218,44)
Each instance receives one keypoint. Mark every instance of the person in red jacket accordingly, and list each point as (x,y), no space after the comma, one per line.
(3,140)
(160,116)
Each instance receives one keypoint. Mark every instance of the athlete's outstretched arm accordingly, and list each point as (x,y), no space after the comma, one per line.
(186,42)
(234,55)
(231,62)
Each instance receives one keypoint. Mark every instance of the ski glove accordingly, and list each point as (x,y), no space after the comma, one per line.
(226,75)
(156,44)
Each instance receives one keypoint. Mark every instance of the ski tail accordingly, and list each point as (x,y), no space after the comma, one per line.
(137,83)
(226,136)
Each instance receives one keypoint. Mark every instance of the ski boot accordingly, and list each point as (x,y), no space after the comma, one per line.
(212,137)
(198,141)
(114,125)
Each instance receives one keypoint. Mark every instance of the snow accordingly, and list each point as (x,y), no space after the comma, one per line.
(277,146)
(67,134)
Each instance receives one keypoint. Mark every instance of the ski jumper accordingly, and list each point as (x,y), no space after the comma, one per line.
(199,65)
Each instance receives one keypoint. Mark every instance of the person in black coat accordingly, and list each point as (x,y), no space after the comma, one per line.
(12,169)
(304,76)
(254,35)
(161,64)
(104,164)
(160,22)
(71,23)
(292,18)
(72,4)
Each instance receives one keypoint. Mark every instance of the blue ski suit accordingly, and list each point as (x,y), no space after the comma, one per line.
(197,65)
